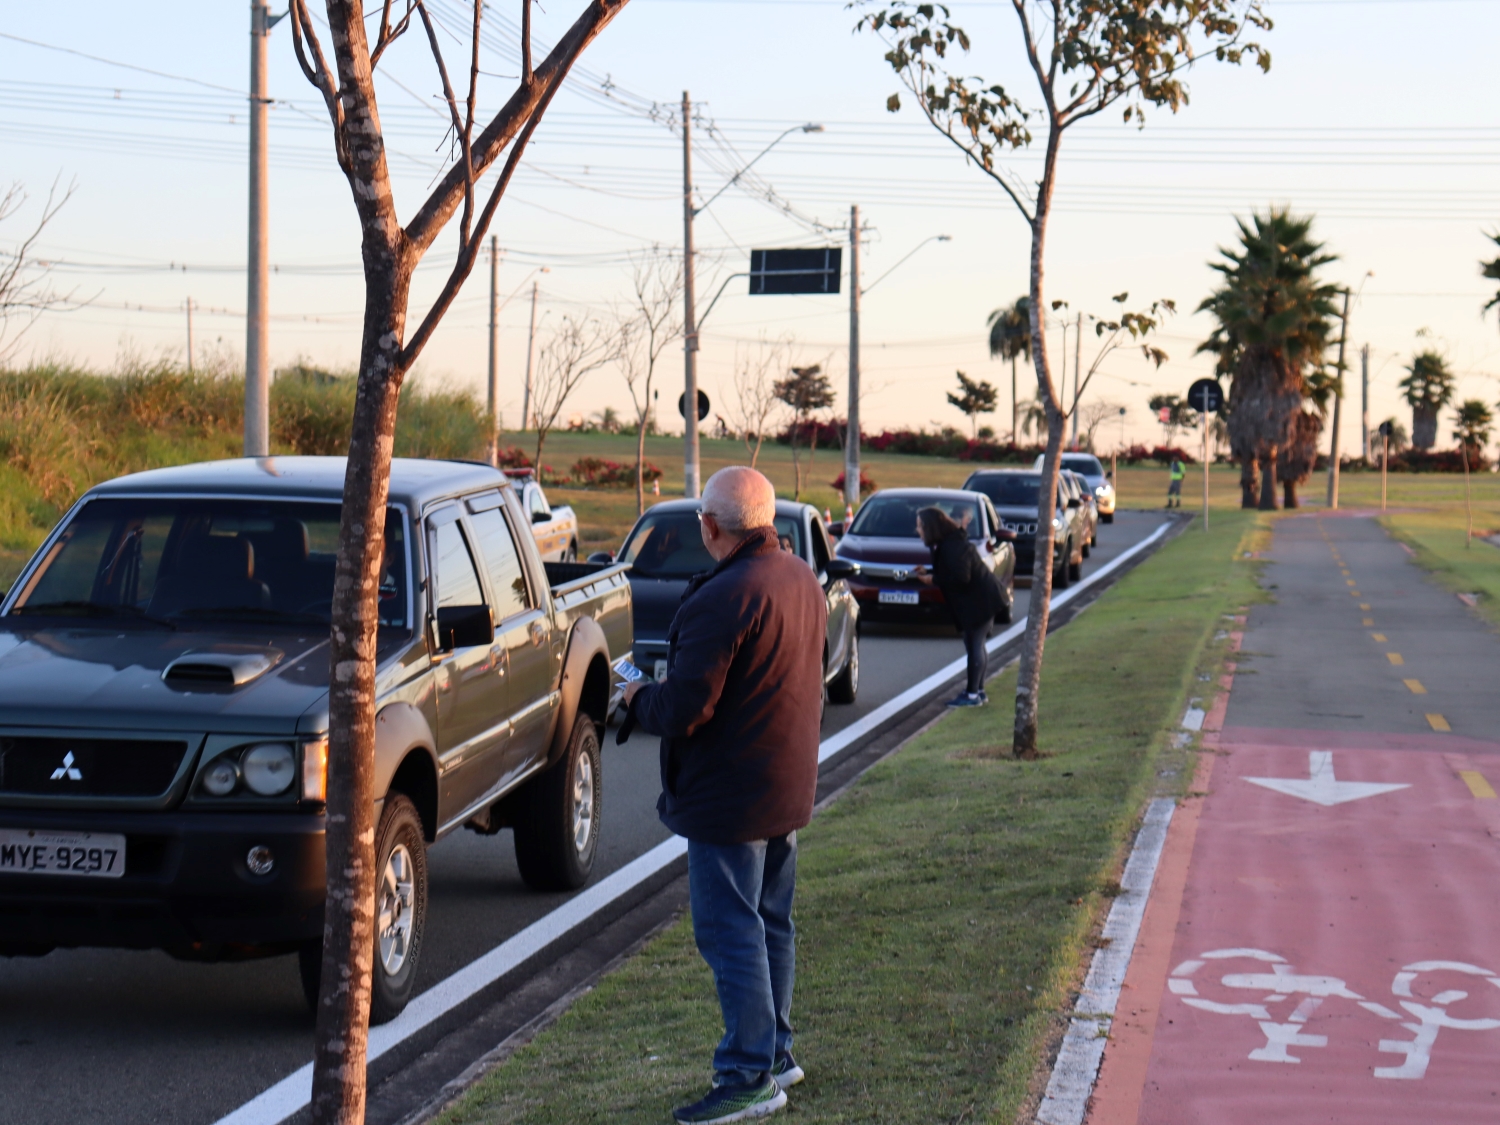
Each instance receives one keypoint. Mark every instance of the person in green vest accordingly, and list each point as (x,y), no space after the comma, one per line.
(1174,490)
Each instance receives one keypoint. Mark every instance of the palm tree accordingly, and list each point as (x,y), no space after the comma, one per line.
(1010,337)
(1428,388)
(1275,318)
(1490,270)
(1297,459)
(1474,423)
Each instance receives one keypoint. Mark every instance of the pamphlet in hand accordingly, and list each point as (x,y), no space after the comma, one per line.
(629,672)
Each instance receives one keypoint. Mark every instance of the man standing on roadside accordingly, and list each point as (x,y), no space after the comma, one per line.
(1174,489)
(738,716)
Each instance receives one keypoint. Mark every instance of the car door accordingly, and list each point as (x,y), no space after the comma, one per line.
(543,529)
(840,619)
(472,725)
(522,634)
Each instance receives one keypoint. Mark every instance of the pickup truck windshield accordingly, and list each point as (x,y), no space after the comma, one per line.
(188,560)
(895,517)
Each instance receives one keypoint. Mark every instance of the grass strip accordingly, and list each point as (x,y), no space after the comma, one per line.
(1438,540)
(945,903)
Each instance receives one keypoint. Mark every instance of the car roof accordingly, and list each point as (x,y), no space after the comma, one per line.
(1004,473)
(940,493)
(783,507)
(415,482)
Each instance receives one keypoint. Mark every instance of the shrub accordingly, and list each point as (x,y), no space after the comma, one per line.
(866,483)
(596,472)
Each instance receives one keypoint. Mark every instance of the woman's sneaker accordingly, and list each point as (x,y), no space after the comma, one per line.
(966,699)
(732,1103)
(786,1071)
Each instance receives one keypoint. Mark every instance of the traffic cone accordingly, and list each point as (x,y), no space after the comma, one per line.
(848,513)
(827,516)
(656,488)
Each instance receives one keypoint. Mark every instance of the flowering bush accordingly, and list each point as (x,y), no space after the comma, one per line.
(513,457)
(599,473)
(866,483)
(1161,454)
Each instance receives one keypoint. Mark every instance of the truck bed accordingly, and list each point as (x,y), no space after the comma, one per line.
(597,590)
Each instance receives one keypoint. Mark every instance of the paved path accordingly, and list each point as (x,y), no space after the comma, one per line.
(1323,940)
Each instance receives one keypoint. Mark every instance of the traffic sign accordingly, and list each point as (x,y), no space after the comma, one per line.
(702,405)
(1387,430)
(816,270)
(1206,396)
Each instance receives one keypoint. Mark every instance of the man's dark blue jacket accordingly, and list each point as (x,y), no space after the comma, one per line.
(739,711)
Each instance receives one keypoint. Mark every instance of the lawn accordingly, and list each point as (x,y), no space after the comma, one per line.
(945,903)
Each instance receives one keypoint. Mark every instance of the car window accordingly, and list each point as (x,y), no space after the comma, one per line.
(457,580)
(789,534)
(204,559)
(895,517)
(822,550)
(1084,463)
(667,545)
(989,511)
(498,550)
(1008,490)
(535,503)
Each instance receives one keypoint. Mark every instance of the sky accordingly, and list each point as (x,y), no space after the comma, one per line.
(1378,118)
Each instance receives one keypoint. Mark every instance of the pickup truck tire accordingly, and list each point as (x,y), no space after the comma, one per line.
(1107,517)
(1007,611)
(557,823)
(1061,574)
(400,914)
(1075,570)
(844,687)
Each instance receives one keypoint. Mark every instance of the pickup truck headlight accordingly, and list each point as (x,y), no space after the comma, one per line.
(269,768)
(1057,522)
(221,777)
(315,769)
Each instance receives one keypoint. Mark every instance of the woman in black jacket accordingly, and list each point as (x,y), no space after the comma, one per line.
(970,590)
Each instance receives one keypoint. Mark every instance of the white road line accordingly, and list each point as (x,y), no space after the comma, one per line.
(1077,1066)
(294,1091)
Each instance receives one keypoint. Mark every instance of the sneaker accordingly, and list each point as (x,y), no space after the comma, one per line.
(786,1071)
(732,1103)
(964,699)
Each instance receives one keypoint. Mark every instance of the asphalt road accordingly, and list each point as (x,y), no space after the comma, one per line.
(119,1038)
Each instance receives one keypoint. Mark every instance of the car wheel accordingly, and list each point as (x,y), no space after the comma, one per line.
(557,829)
(1060,571)
(1075,570)
(845,685)
(571,554)
(1007,611)
(1087,545)
(1107,517)
(400,914)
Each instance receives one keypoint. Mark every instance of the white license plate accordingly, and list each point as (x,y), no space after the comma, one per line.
(26,852)
(661,670)
(898,597)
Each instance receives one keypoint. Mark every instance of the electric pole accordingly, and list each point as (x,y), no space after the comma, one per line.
(1077,373)
(1364,403)
(257,338)
(851,437)
(530,352)
(1338,403)
(689,321)
(190,335)
(494,371)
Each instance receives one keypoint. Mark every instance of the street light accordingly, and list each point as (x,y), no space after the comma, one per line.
(808,128)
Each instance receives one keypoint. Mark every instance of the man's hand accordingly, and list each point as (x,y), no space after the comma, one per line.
(631,689)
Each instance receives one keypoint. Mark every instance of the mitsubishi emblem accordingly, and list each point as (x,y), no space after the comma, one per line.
(67,769)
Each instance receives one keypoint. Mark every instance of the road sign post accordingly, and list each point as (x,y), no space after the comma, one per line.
(1385,456)
(1206,397)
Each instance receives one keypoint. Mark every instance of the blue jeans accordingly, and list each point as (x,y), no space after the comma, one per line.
(741,897)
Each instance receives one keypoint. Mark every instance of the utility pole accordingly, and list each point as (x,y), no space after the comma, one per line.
(494,370)
(1364,403)
(851,438)
(1338,403)
(257,338)
(530,352)
(190,335)
(689,319)
(1077,372)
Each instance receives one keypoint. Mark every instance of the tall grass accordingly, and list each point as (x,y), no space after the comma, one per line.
(64,429)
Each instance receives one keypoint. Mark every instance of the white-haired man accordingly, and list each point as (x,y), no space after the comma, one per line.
(738,716)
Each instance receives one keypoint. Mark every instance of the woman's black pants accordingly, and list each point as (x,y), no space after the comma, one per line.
(979,659)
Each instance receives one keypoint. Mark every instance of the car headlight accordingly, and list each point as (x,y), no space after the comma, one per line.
(315,769)
(269,768)
(1057,522)
(221,777)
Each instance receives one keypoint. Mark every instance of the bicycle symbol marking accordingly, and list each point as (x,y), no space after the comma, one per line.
(1282,982)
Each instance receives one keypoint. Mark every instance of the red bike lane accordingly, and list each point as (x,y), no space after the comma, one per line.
(1322,942)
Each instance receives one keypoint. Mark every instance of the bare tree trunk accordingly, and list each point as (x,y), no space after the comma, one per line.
(1268,480)
(640,464)
(755,453)
(1015,405)
(1029,673)
(1289,494)
(796,463)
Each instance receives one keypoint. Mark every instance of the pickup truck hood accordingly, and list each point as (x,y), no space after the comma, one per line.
(101,678)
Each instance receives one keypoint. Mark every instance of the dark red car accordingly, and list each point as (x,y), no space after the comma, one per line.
(883,540)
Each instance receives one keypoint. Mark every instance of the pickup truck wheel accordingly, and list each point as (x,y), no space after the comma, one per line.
(845,686)
(400,914)
(1007,610)
(1107,517)
(557,829)
(1075,571)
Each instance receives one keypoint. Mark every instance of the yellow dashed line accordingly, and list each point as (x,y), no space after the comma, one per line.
(1394,658)
(1478,784)
(1354,593)
(1379,637)
(1437,722)
(1368,621)
(1344,572)
(1416,687)
(1349,581)
(1365,606)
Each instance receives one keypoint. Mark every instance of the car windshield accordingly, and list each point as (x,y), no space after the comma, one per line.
(669,544)
(1009,490)
(204,560)
(1083,463)
(895,517)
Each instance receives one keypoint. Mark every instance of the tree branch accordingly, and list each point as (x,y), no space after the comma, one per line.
(389,35)
(459,130)
(526,73)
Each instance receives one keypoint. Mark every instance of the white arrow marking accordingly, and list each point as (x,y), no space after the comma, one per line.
(1321,787)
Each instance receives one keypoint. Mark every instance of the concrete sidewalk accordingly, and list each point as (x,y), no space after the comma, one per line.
(1322,942)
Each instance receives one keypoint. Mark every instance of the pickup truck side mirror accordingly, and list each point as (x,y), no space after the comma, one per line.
(464,626)
(540,517)
(602,557)
(1075,502)
(841,568)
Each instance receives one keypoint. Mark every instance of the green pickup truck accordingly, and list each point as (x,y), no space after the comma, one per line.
(164,709)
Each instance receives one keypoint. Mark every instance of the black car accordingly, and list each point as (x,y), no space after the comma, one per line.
(883,540)
(664,549)
(1015,492)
